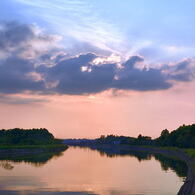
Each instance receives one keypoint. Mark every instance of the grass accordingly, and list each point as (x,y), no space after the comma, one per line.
(190,152)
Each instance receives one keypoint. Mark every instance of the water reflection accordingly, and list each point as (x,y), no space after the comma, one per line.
(6,192)
(82,171)
(7,161)
(176,165)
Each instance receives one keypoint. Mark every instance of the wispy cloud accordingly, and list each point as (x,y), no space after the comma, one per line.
(76,20)
(19,100)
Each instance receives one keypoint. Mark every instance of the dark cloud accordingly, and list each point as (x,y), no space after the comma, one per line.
(69,77)
(15,76)
(133,78)
(182,71)
(185,77)
(72,80)
(143,80)
(99,79)
(183,65)
(17,66)
(130,63)
(54,71)
(13,34)
(24,41)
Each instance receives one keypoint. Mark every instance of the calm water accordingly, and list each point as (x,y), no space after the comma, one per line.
(83,171)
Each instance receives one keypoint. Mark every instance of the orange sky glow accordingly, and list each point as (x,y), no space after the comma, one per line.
(119,113)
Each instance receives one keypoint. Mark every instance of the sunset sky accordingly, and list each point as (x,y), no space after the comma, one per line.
(84,68)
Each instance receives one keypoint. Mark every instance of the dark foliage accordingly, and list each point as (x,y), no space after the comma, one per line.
(113,139)
(26,137)
(183,137)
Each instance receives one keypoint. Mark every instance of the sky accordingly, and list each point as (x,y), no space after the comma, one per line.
(85,68)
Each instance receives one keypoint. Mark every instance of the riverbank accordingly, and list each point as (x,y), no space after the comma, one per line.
(22,150)
(188,188)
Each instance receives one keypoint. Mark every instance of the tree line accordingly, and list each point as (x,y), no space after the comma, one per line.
(19,136)
(183,137)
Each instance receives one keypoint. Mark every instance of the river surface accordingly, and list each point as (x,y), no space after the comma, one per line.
(81,171)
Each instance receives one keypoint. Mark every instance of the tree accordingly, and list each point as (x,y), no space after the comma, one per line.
(164,133)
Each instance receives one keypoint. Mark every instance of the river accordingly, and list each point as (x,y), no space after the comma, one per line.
(82,171)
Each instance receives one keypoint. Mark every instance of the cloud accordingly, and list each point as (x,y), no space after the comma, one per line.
(71,18)
(72,78)
(22,46)
(132,78)
(14,76)
(24,40)
(183,71)
(33,63)
(14,35)
(12,99)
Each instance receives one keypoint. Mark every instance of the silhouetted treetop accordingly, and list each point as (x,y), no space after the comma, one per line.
(25,136)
